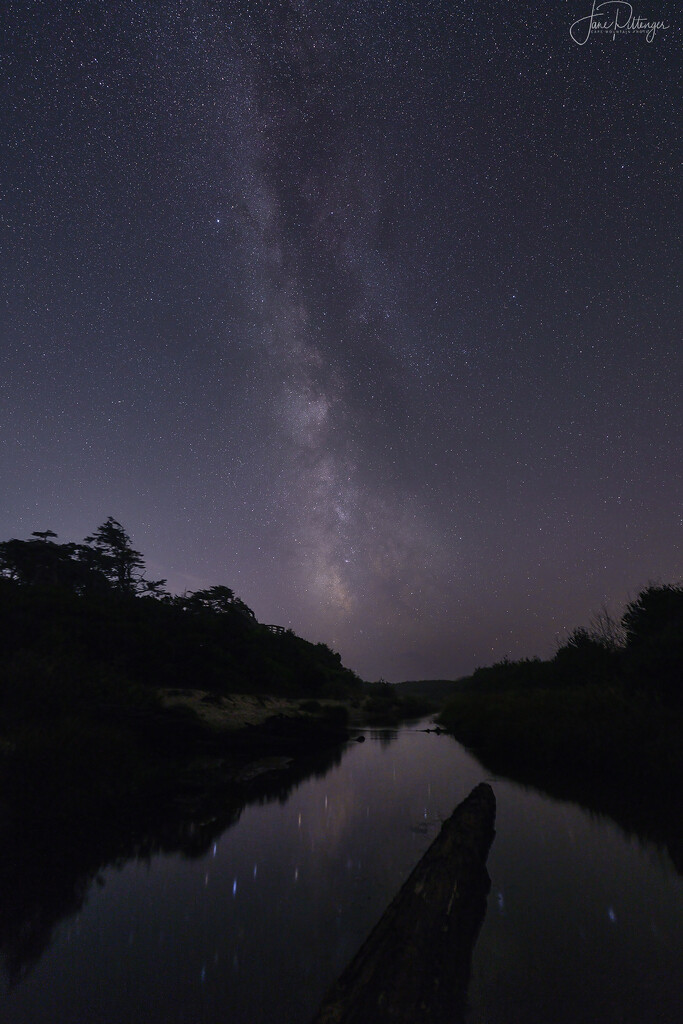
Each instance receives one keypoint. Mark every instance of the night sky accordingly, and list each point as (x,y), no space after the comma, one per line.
(368,310)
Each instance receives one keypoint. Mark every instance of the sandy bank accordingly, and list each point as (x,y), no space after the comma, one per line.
(234,711)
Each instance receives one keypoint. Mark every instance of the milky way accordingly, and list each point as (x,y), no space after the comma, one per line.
(369,311)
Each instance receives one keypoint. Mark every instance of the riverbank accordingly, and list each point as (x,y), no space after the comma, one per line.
(615,752)
(600,722)
(122,757)
(231,712)
(586,732)
(117,697)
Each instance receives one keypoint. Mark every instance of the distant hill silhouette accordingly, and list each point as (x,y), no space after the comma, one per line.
(437,690)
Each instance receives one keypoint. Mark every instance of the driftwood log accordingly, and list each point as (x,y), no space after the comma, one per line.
(415,965)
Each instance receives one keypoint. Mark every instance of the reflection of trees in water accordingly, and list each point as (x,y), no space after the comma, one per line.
(652,816)
(384,736)
(46,874)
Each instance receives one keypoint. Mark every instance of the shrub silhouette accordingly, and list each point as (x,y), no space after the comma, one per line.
(653,626)
(584,658)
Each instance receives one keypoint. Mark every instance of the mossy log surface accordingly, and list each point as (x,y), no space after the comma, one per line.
(415,965)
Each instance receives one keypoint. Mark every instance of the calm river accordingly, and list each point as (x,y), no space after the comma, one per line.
(584,924)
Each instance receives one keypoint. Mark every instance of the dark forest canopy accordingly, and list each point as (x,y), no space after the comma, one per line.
(77,610)
(642,651)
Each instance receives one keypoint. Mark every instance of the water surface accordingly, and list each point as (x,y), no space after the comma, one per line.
(583,922)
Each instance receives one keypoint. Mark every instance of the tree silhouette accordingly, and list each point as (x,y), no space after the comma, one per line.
(653,625)
(586,657)
(216,599)
(112,554)
(655,615)
(39,562)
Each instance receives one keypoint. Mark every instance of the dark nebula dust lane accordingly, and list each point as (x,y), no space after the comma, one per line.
(369,311)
